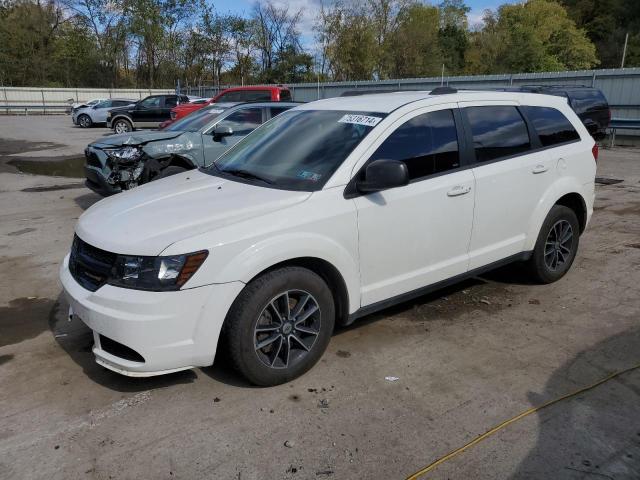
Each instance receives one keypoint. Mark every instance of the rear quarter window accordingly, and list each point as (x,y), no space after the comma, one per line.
(552,127)
(285,96)
(498,131)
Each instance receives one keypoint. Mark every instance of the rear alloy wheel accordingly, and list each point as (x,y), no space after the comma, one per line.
(84,121)
(280,325)
(556,246)
(122,126)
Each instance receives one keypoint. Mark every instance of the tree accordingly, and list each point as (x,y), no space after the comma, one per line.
(413,45)
(453,34)
(529,37)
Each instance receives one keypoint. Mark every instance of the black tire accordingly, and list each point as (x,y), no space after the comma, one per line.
(257,304)
(171,170)
(123,125)
(85,121)
(551,245)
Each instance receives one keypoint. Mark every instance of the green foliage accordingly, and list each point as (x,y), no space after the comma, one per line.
(530,37)
(155,43)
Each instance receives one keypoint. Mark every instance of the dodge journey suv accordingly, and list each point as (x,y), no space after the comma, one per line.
(328,212)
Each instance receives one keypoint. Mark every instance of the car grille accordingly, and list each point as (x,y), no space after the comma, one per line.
(92,158)
(90,266)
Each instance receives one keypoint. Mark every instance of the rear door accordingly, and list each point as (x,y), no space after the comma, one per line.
(417,235)
(511,172)
(242,121)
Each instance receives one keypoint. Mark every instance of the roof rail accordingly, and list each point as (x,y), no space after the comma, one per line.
(443,91)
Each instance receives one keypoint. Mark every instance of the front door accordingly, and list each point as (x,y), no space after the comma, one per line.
(417,235)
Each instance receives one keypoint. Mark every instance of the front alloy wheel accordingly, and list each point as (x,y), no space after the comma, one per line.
(280,325)
(122,126)
(287,329)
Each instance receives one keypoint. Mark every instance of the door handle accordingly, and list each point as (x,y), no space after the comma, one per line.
(458,190)
(539,169)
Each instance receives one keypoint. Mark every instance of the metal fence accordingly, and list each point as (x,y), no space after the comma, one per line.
(620,86)
(26,100)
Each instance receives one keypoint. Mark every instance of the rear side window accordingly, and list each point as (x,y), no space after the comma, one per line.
(498,131)
(255,96)
(244,121)
(285,96)
(278,110)
(551,125)
(427,144)
(170,102)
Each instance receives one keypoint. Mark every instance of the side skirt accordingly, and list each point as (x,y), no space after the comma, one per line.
(404,297)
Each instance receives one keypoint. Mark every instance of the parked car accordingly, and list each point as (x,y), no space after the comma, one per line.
(589,103)
(236,94)
(331,211)
(73,106)
(121,162)
(146,113)
(97,113)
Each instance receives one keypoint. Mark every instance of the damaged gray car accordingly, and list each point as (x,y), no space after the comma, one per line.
(121,162)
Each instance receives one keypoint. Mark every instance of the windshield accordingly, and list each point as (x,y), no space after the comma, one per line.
(195,121)
(298,149)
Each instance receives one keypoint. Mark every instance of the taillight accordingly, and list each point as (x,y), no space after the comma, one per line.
(595,150)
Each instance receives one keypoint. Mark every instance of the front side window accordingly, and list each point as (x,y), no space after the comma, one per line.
(196,121)
(298,149)
(255,96)
(551,125)
(151,102)
(498,132)
(230,97)
(427,144)
(243,121)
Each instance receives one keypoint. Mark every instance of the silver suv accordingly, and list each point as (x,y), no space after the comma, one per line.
(88,115)
(121,162)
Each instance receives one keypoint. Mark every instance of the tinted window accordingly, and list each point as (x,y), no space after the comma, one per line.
(285,96)
(498,131)
(104,104)
(427,144)
(551,125)
(243,121)
(170,102)
(151,102)
(278,110)
(230,97)
(587,99)
(255,96)
(298,149)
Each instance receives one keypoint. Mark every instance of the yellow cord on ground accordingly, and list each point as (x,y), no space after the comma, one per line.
(502,425)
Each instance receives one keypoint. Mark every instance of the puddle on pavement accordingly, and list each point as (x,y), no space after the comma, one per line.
(68,167)
(54,188)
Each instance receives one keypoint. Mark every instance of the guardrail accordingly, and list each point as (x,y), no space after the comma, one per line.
(42,109)
(621,124)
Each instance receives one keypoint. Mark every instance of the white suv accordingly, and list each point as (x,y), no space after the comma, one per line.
(328,212)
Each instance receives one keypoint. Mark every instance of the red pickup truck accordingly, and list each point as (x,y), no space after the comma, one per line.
(237,94)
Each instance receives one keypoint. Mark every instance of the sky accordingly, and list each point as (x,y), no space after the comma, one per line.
(310,10)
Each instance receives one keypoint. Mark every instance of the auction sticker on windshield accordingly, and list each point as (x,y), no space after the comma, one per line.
(360,120)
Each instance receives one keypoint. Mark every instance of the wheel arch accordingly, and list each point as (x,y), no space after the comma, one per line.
(123,117)
(331,276)
(567,192)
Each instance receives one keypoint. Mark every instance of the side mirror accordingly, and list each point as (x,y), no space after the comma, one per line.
(220,132)
(383,174)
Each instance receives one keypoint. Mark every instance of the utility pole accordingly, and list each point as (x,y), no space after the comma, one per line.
(442,80)
(624,50)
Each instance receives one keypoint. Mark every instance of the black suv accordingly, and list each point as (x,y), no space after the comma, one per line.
(148,112)
(589,103)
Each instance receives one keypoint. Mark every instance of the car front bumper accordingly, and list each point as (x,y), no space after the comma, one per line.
(171,331)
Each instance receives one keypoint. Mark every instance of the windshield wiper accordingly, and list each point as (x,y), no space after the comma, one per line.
(241,172)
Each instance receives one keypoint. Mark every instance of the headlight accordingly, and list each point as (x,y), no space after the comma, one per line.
(156,273)
(125,153)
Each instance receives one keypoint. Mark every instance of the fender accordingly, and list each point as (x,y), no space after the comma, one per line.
(126,117)
(263,255)
(557,190)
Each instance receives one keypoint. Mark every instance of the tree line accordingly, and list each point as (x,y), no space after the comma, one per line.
(155,43)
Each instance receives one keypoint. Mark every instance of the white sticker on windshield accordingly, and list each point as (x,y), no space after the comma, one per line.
(360,120)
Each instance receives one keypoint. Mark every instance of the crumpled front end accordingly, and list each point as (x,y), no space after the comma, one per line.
(107,173)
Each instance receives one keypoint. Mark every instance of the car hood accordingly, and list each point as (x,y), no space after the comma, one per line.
(134,138)
(147,219)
